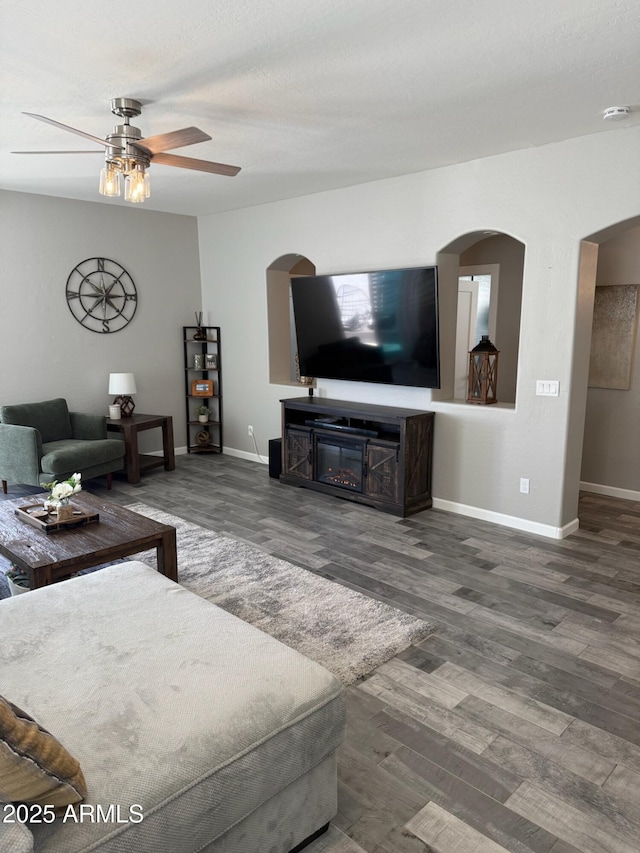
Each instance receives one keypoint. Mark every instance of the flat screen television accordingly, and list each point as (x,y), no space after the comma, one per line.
(369,327)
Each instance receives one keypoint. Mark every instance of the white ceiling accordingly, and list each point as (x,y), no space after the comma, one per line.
(306,95)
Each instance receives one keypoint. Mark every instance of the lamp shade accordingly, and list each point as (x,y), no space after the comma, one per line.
(122,383)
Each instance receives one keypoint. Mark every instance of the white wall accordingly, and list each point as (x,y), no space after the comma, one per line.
(549,198)
(45,352)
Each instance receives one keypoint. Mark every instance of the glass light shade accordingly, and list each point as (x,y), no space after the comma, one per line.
(110,181)
(137,186)
(122,383)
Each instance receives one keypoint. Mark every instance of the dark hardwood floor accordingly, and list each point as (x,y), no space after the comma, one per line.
(516,725)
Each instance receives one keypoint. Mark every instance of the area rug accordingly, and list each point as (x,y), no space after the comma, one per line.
(347,632)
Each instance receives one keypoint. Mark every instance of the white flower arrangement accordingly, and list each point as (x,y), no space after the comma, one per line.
(61,492)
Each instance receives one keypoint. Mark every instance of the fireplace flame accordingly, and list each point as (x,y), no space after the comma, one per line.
(342,477)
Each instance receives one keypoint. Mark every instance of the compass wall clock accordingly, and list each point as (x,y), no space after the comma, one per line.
(101,295)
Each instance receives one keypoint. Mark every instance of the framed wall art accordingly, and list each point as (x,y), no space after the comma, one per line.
(613,336)
(202,388)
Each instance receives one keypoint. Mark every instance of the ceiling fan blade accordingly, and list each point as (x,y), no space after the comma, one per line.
(198,165)
(71,129)
(174,139)
(57,152)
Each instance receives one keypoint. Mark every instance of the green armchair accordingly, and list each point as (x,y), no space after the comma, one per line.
(42,442)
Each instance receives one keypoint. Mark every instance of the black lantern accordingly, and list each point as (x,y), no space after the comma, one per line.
(483,373)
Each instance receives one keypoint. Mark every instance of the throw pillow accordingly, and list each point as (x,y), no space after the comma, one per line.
(34,766)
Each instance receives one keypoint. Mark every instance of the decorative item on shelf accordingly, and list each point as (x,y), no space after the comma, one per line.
(203,414)
(303,380)
(203,438)
(211,361)
(200,333)
(59,499)
(483,373)
(202,388)
(123,385)
(199,361)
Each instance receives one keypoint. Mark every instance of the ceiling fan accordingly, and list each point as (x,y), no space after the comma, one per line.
(128,153)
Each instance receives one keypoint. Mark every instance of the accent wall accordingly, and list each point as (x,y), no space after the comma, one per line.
(46,353)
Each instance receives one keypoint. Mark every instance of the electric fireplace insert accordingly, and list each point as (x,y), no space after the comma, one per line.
(340,462)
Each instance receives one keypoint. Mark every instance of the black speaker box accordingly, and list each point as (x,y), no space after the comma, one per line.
(275,457)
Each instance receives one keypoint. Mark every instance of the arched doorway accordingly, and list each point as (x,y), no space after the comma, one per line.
(610,287)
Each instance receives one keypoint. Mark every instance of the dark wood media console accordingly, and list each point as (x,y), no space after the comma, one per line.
(375,455)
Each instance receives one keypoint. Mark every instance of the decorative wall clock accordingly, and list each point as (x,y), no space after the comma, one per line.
(101,295)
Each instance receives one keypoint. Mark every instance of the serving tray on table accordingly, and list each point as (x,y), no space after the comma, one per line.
(36,515)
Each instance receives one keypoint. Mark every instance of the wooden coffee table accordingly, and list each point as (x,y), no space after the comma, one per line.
(51,557)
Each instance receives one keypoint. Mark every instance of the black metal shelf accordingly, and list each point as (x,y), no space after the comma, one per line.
(193,346)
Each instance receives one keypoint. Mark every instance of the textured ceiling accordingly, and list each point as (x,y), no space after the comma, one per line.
(306,95)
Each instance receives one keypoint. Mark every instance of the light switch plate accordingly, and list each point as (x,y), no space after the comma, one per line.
(547,388)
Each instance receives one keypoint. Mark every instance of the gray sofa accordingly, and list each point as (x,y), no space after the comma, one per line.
(43,442)
(224,737)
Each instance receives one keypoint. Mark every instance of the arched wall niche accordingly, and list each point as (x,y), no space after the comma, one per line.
(281,350)
(479,253)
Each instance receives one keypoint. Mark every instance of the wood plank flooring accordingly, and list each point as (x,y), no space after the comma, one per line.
(516,726)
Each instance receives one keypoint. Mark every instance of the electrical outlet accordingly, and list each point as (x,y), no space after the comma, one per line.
(249,430)
(524,485)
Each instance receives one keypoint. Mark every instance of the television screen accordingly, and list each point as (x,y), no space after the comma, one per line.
(369,327)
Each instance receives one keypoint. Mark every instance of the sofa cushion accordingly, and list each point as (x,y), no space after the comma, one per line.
(34,766)
(59,457)
(15,837)
(171,705)
(51,418)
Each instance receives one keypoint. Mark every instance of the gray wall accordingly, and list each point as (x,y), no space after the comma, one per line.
(611,454)
(550,199)
(45,352)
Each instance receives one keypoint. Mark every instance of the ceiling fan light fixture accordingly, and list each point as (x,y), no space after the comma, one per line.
(128,155)
(137,186)
(110,181)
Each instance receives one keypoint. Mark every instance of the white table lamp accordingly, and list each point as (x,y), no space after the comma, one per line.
(123,385)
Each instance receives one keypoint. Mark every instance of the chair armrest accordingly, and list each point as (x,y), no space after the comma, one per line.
(20,454)
(88,427)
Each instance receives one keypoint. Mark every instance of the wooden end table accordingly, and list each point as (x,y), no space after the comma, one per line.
(136,462)
(51,557)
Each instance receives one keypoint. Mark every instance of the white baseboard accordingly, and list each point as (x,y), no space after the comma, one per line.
(611,491)
(508,520)
(242,454)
